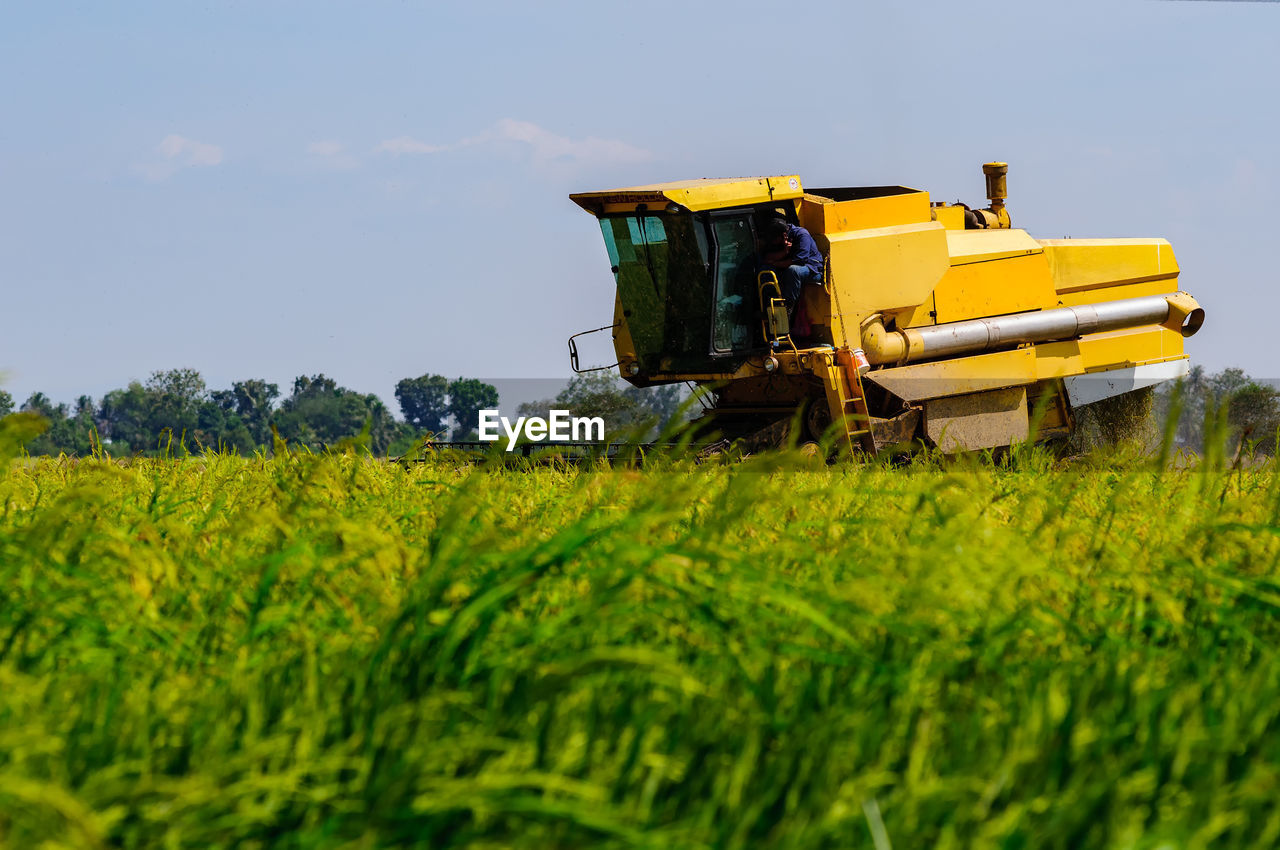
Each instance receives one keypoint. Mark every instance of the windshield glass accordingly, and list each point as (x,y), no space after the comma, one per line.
(662,265)
(736,298)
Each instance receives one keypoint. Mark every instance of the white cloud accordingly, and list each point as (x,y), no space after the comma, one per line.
(332,155)
(327,147)
(550,147)
(405,144)
(189,151)
(178,152)
(544,147)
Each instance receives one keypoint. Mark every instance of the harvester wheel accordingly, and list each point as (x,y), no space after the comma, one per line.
(817,419)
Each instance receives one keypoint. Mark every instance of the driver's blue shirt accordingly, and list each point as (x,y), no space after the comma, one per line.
(804,251)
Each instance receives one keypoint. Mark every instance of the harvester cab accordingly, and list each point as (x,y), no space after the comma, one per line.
(935,323)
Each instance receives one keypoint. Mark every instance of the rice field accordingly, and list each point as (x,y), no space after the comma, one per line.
(326,651)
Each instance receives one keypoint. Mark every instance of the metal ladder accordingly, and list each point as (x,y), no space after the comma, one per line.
(853,403)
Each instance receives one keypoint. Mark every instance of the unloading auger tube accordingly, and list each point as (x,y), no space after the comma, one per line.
(1178,311)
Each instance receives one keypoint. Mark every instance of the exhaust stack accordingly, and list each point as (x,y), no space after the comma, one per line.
(997,190)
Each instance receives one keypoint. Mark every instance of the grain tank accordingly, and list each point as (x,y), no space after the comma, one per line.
(936,323)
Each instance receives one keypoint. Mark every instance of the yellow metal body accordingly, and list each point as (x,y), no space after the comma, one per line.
(896,260)
(696,195)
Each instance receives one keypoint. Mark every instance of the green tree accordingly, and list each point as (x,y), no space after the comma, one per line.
(173,400)
(124,419)
(81,428)
(218,426)
(404,438)
(1253,413)
(467,397)
(319,414)
(39,403)
(1194,396)
(601,394)
(54,415)
(67,432)
(660,403)
(254,399)
(541,408)
(1249,405)
(173,403)
(245,412)
(1222,385)
(6,403)
(622,406)
(383,428)
(424,402)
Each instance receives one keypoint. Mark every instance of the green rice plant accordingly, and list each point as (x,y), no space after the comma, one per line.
(328,651)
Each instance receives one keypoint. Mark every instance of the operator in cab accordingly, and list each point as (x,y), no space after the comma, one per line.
(790,251)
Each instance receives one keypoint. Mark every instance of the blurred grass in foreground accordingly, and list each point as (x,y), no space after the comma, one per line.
(327,651)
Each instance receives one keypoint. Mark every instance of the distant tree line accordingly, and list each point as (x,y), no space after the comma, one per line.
(1230,404)
(622,406)
(1228,410)
(175,410)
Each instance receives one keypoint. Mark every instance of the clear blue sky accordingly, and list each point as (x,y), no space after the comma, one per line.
(378,190)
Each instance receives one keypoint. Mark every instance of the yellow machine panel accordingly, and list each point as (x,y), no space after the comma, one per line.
(1082,264)
(886,268)
(827,216)
(993,288)
(981,246)
(703,194)
(942,378)
(914,317)
(950,217)
(939,323)
(1124,290)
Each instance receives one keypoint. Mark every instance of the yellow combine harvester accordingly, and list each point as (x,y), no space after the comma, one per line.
(935,322)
